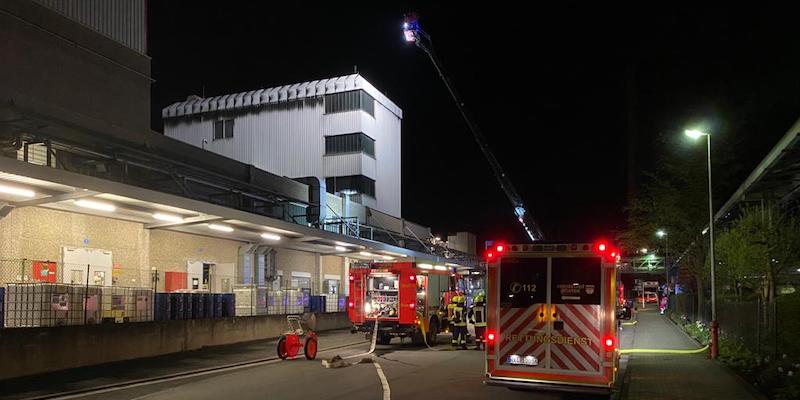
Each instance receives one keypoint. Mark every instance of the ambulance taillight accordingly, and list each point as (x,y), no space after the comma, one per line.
(608,343)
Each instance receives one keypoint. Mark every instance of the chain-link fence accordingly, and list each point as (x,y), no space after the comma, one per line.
(48,293)
(60,304)
(763,328)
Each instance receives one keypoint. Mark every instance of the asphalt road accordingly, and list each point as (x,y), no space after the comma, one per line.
(411,373)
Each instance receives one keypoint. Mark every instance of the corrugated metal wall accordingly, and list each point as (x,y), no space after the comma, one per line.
(350,164)
(288,140)
(387,155)
(124,21)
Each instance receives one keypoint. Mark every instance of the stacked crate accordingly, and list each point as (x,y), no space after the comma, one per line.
(295,301)
(49,304)
(140,307)
(275,303)
(251,300)
(331,303)
(114,304)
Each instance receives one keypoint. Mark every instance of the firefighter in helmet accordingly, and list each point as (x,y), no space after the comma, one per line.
(450,307)
(459,323)
(477,316)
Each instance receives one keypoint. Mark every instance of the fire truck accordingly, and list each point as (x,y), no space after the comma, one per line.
(551,317)
(406,299)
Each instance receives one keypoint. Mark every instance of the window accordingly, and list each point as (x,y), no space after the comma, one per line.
(223,129)
(357,183)
(229,128)
(218,130)
(350,143)
(349,101)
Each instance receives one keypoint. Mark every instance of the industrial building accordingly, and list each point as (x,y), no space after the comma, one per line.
(341,131)
(104,220)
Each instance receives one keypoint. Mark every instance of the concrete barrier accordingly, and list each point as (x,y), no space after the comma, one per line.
(29,351)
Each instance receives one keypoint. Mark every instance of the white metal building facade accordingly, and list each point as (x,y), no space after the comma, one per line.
(341,130)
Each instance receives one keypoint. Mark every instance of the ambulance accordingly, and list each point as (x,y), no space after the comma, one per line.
(551,317)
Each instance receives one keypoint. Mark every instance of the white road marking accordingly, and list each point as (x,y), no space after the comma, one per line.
(387,392)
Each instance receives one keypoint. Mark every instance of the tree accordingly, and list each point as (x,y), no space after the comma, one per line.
(672,198)
(758,247)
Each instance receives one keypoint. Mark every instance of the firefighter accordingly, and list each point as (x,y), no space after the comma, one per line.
(477,316)
(459,324)
(450,307)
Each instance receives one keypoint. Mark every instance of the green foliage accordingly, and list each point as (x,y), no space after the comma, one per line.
(673,197)
(734,354)
(757,247)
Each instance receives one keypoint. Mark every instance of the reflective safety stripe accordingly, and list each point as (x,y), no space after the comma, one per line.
(458,317)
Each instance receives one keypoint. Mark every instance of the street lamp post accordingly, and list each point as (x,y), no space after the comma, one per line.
(663,234)
(695,134)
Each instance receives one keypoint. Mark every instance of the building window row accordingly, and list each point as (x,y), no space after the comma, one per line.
(223,129)
(354,184)
(350,143)
(349,101)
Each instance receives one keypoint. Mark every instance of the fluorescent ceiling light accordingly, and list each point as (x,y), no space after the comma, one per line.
(366,254)
(95,205)
(425,266)
(451,265)
(16,191)
(270,236)
(221,228)
(341,248)
(345,244)
(167,217)
(388,257)
(440,268)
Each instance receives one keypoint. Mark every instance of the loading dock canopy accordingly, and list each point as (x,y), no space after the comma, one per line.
(23,185)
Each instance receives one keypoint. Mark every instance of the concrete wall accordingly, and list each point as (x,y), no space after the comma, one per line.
(172,251)
(36,233)
(33,350)
(39,234)
(298,261)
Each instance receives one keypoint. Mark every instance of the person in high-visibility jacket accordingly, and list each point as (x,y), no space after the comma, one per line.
(459,323)
(477,316)
(450,307)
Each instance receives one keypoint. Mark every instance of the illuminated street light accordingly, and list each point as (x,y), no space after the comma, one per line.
(696,134)
(644,250)
(663,234)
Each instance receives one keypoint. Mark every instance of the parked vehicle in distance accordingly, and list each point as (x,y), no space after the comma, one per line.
(648,297)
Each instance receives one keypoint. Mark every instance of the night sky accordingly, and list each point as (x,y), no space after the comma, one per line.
(563,95)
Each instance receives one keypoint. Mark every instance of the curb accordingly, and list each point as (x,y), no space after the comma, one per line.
(684,332)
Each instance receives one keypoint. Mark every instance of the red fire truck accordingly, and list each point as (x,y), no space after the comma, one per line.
(551,317)
(405,298)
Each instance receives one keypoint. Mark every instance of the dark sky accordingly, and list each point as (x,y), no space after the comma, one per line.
(552,89)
